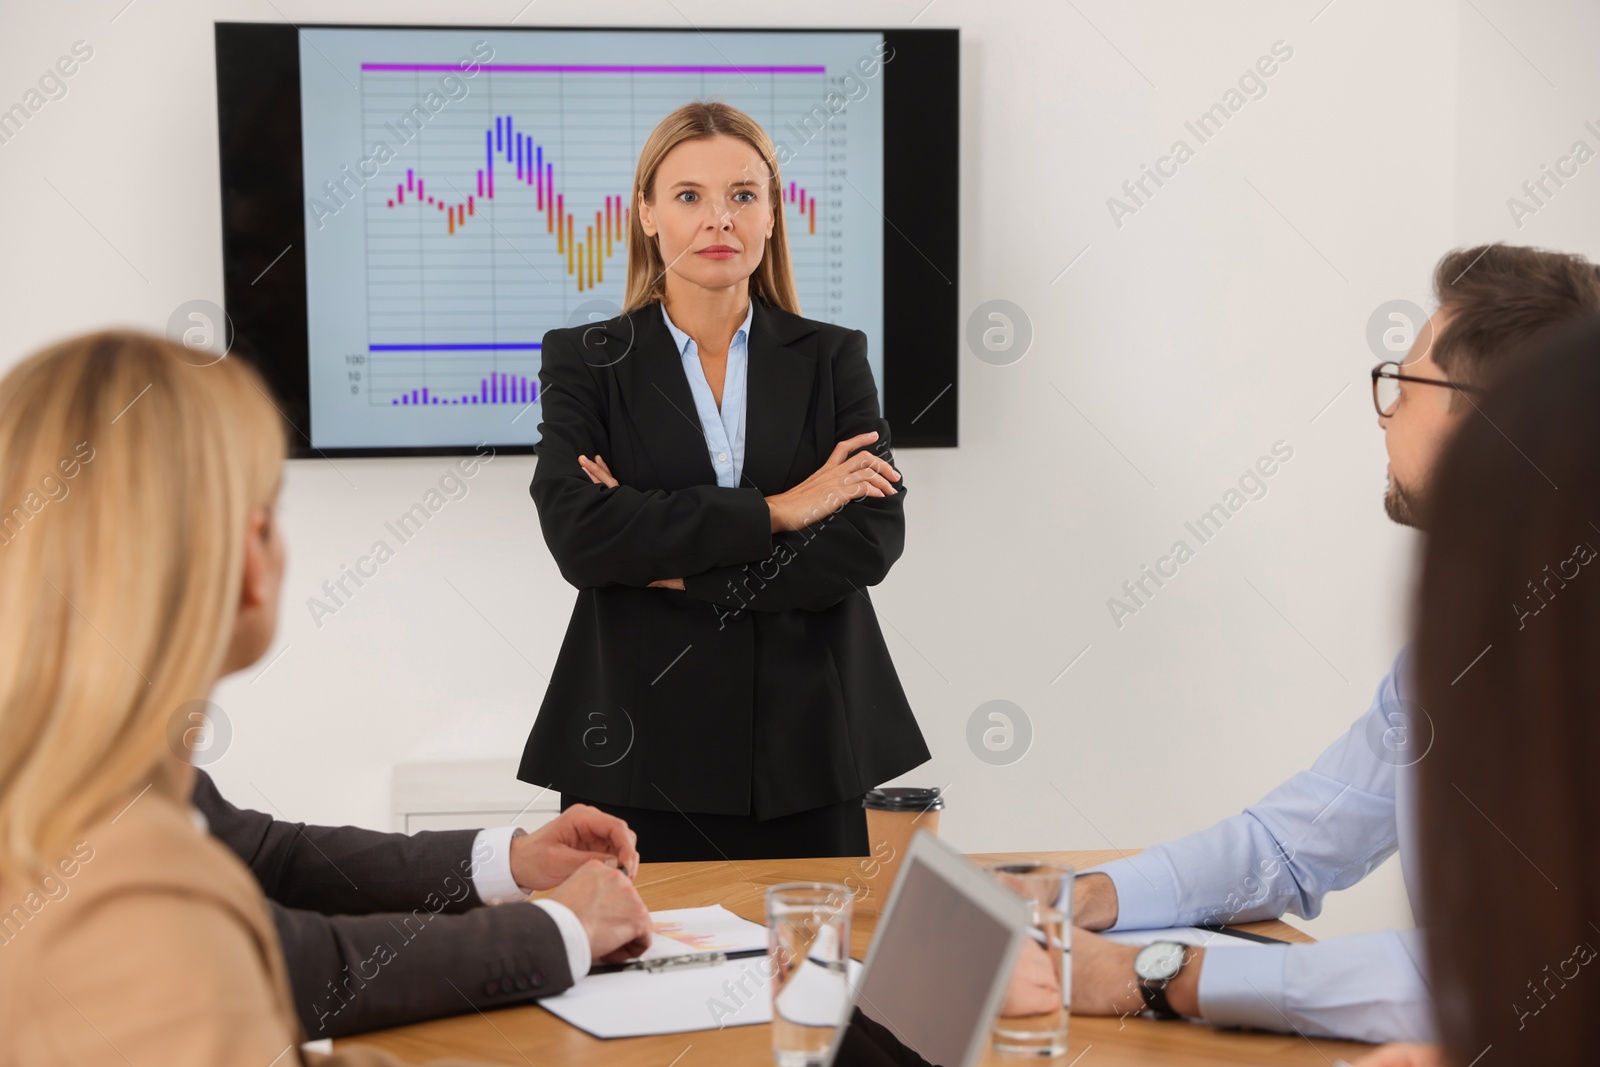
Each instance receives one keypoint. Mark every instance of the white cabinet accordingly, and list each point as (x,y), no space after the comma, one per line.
(467,795)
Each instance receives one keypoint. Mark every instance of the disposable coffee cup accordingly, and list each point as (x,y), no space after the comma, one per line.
(893,816)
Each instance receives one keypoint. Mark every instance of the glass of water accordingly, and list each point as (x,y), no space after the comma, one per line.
(1033,1022)
(808,947)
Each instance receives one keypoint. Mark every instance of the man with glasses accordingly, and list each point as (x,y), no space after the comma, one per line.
(1328,827)
(1401,503)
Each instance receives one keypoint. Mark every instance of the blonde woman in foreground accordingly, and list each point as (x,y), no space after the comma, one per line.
(139,563)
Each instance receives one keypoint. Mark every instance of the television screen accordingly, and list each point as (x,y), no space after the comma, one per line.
(408,210)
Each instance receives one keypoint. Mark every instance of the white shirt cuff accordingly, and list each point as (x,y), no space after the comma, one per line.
(491,874)
(572,935)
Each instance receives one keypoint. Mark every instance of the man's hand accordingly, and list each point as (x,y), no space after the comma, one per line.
(548,855)
(613,915)
(1035,986)
(1103,982)
(1094,902)
(1403,1056)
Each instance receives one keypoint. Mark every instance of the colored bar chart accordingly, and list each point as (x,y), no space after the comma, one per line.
(510,214)
(495,389)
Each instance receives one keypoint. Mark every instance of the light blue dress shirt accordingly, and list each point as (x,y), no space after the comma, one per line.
(1324,829)
(724,429)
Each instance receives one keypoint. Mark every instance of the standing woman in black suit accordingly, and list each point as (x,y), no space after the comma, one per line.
(715,479)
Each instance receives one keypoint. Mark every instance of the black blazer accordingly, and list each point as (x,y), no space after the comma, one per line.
(765,686)
(382,930)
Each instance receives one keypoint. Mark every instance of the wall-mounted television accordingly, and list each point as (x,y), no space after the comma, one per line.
(406,210)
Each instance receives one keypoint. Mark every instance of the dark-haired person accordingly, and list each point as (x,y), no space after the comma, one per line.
(1508,798)
(385,929)
(715,479)
(1327,827)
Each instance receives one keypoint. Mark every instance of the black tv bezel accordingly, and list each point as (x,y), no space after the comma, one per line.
(263,209)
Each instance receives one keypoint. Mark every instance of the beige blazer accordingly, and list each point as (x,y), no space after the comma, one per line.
(148,945)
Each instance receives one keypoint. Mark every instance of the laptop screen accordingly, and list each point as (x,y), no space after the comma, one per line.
(925,990)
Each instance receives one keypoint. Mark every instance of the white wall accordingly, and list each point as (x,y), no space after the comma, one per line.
(1222,317)
(1529,86)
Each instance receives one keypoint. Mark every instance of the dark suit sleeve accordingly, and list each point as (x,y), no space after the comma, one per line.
(343,869)
(384,929)
(354,973)
(624,536)
(851,548)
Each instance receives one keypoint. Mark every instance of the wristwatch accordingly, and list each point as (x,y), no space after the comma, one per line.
(1157,964)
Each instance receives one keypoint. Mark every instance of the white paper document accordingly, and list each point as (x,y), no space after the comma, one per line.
(1184,935)
(681,931)
(735,993)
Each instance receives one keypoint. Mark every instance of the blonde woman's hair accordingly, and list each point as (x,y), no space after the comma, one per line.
(129,466)
(773,280)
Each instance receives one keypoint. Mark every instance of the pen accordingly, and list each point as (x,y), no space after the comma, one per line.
(1231,931)
(660,964)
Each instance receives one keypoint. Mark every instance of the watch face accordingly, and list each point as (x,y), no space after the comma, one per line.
(1159,961)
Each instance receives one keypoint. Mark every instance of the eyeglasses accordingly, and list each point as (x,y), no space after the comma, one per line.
(1386,379)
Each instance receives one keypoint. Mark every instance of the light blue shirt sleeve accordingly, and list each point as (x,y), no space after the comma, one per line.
(1324,829)
(1368,987)
(724,428)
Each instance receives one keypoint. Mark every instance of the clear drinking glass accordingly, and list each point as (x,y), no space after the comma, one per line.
(808,947)
(1037,1023)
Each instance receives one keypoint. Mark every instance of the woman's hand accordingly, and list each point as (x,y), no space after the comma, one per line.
(598,472)
(841,479)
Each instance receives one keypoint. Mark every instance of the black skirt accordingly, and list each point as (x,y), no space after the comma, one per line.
(667,836)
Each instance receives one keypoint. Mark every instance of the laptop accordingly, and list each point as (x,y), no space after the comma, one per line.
(937,968)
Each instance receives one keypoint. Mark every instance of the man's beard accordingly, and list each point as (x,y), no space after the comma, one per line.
(1403,505)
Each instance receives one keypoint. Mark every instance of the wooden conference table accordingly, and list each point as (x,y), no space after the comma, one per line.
(531,1035)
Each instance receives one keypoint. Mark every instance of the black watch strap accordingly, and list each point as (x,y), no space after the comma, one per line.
(1155,998)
